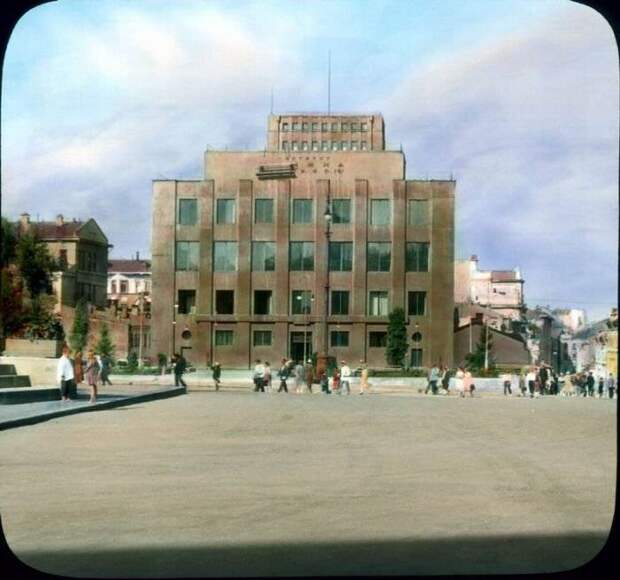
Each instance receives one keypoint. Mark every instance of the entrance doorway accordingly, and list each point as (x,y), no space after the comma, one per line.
(300,346)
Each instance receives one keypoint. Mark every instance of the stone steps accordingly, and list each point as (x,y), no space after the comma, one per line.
(7,370)
(28,395)
(14,381)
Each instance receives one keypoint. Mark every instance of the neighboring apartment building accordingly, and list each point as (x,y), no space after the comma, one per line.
(81,250)
(303,247)
(500,290)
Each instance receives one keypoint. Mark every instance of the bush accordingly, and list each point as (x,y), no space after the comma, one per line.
(132,361)
(397,372)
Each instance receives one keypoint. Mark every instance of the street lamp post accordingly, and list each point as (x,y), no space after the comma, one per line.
(174,327)
(141,329)
(323,358)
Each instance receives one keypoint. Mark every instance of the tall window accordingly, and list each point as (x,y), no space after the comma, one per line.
(417,212)
(296,127)
(315,126)
(301,256)
(284,127)
(378,303)
(187,255)
(341,256)
(123,287)
(224,337)
(224,302)
(364,146)
(341,211)
(334,145)
(304,145)
(379,256)
(380,212)
(263,211)
(354,146)
(416,303)
(354,127)
(225,211)
(285,145)
(324,145)
(340,302)
(301,302)
(262,338)
(186,301)
(339,338)
(416,357)
(324,127)
(304,126)
(295,146)
(224,256)
(263,256)
(344,145)
(345,126)
(364,126)
(302,211)
(113,287)
(334,126)
(377,339)
(188,212)
(417,256)
(315,145)
(262,301)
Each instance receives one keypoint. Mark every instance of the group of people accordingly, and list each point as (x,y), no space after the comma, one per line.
(586,385)
(71,371)
(303,376)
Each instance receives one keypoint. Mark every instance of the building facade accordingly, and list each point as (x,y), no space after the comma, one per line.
(303,247)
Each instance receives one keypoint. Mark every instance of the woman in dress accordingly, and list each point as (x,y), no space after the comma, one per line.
(458,381)
(364,379)
(77,368)
(92,374)
(467,383)
(569,389)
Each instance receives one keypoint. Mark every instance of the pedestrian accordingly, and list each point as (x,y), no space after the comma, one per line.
(299,377)
(522,384)
(507,384)
(105,364)
(530,378)
(433,377)
(336,382)
(590,384)
(324,383)
(555,383)
(65,375)
(92,374)
(217,373)
(568,389)
(345,374)
(258,376)
(459,383)
(543,376)
(611,385)
(601,386)
(445,380)
(364,379)
(267,377)
(180,366)
(78,371)
(309,375)
(283,374)
(468,383)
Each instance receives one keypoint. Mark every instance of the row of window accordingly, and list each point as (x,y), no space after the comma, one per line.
(302,302)
(301,256)
(123,286)
(87,261)
(325,146)
(302,211)
(331,127)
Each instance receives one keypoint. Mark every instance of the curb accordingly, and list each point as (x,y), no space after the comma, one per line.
(122,402)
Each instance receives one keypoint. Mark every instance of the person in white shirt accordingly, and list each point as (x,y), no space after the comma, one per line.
(345,378)
(64,374)
(259,377)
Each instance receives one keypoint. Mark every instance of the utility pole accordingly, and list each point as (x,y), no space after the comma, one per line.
(486,347)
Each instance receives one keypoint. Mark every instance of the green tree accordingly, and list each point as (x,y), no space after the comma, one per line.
(35,264)
(8,241)
(396,338)
(104,345)
(12,312)
(132,361)
(79,331)
(483,349)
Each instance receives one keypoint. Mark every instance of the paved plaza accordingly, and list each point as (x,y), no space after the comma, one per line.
(249,484)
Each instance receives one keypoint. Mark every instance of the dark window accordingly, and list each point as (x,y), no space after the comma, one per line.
(225,211)
(113,287)
(123,286)
(263,211)
(416,337)
(416,357)
(324,127)
(315,126)
(339,338)
(301,302)
(188,212)
(62,259)
(417,256)
(224,256)
(377,339)
(334,126)
(284,127)
(302,211)
(223,337)
(379,256)
(345,126)
(262,338)
(301,257)
(187,255)
(186,301)
(341,211)
(416,303)
(224,301)
(304,126)
(262,301)
(340,302)
(263,256)
(341,256)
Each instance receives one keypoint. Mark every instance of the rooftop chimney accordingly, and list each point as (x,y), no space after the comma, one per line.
(24,221)
(59,220)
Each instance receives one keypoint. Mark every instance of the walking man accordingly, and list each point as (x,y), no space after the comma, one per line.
(611,385)
(345,378)
(283,375)
(217,373)
(64,374)
(180,365)
(507,384)
(258,376)
(590,384)
(299,377)
(433,377)
(105,363)
(601,387)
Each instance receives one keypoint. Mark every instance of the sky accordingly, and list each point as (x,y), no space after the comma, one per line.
(517,99)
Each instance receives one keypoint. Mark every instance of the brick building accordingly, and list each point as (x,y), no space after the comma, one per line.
(312,241)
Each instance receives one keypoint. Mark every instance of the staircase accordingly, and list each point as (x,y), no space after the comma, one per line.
(15,389)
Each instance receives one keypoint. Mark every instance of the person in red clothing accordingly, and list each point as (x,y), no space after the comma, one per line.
(335,380)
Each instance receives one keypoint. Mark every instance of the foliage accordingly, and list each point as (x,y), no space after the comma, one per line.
(35,264)
(132,361)
(396,338)
(417,372)
(104,345)
(12,313)
(475,360)
(41,322)
(79,331)
(8,242)
(162,359)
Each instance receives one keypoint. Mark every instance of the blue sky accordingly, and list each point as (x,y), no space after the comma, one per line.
(518,99)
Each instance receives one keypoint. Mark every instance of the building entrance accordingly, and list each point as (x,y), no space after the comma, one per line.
(300,346)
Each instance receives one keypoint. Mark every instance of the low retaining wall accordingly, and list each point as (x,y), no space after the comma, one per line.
(42,371)
(33,348)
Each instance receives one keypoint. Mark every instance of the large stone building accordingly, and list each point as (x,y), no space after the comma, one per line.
(303,247)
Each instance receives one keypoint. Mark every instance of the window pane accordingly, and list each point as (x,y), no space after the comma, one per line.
(302,211)
(304,126)
(301,256)
(416,303)
(345,126)
(315,145)
(186,301)
(324,145)
(341,256)
(416,357)
(418,214)
(380,212)
(223,337)
(364,146)
(378,303)
(339,338)
(341,211)
(334,145)
(285,127)
(417,256)
(263,256)
(301,302)
(304,146)
(262,301)
(379,256)
(344,145)
(324,127)
(262,338)
(354,127)
(188,212)
(224,301)
(315,126)
(225,211)
(364,126)
(224,256)
(187,255)
(263,211)
(377,339)
(285,145)
(340,302)
(334,126)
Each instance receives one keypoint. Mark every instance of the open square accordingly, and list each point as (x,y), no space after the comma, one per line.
(238,484)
